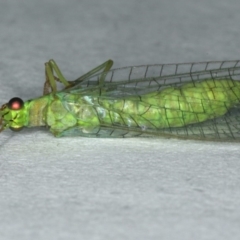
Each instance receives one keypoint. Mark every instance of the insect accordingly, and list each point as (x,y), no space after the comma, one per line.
(189,100)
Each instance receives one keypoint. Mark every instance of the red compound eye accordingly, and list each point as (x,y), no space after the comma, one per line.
(15,103)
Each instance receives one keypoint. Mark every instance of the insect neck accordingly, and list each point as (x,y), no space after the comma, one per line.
(37,111)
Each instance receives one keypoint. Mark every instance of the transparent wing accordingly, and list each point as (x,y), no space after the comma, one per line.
(136,81)
(226,128)
(110,131)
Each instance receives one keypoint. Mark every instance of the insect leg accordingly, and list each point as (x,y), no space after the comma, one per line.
(50,68)
(106,66)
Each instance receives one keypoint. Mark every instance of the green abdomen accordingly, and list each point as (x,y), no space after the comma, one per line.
(176,107)
(170,107)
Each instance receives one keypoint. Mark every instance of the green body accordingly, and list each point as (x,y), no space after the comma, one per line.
(171,107)
(189,100)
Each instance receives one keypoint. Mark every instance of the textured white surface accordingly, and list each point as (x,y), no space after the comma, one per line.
(77,188)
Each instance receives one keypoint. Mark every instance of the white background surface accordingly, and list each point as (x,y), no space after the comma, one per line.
(78,188)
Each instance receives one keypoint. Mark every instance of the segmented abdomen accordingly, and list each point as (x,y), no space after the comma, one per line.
(171,107)
(175,106)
